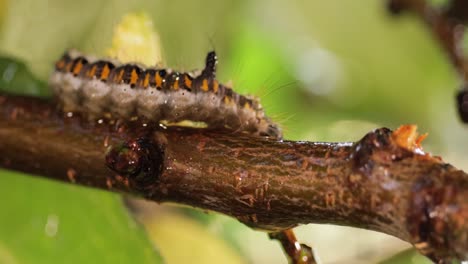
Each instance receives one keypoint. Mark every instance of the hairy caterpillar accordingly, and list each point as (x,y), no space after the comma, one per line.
(96,86)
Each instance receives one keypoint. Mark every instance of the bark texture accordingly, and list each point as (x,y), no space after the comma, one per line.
(384,182)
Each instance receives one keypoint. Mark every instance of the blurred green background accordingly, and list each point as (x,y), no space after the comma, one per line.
(325,70)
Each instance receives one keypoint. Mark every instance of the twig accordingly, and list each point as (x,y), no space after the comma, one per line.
(298,253)
(447,26)
(384,182)
(458,9)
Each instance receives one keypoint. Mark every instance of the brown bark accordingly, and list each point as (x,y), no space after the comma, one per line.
(384,182)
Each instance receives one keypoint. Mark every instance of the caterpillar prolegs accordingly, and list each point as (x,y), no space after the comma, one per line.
(104,86)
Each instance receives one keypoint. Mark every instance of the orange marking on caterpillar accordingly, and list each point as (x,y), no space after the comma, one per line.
(188,82)
(133,77)
(92,71)
(105,72)
(204,86)
(215,86)
(145,83)
(158,79)
(119,78)
(78,66)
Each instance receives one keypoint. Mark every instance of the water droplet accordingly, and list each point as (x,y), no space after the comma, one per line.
(10,72)
(320,70)
(52,224)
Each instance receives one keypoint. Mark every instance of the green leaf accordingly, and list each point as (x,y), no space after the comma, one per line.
(42,221)
(410,256)
(16,78)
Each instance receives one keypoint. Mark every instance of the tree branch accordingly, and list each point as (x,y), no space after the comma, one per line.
(384,182)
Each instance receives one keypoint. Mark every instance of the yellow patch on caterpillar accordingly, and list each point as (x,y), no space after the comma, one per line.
(185,123)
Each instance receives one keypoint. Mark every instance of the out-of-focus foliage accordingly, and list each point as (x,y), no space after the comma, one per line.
(183,240)
(15,77)
(407,257)
(46,222)
(326,70)
(134,39)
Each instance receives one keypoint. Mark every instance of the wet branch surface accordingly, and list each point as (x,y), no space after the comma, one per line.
(384,182)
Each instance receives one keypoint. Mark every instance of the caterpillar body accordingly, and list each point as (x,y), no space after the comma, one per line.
(97,86)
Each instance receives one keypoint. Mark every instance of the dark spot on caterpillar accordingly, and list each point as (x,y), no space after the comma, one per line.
(172,81)
(162,73)
(228,92)
(139,160)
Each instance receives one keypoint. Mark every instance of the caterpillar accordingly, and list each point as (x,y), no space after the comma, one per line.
(97,86)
